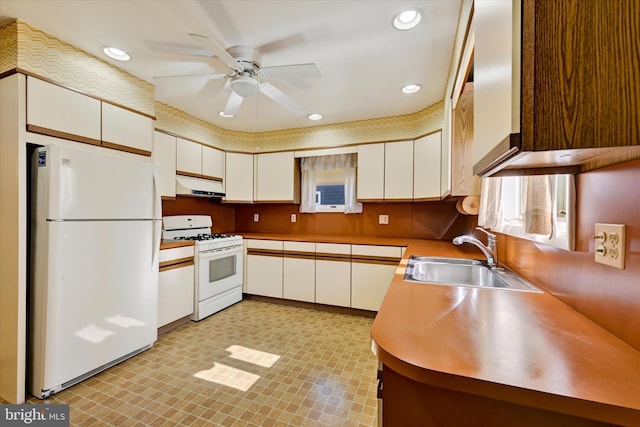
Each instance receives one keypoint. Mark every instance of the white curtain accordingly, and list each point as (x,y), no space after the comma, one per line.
(309,165)
(528,200)
(490,210)
(539,200)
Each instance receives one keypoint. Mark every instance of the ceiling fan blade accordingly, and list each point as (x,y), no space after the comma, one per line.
(295,71)
(217,50)
(211,76)
(281,98)
(233,104)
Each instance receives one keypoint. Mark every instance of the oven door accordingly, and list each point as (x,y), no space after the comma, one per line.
(218,271)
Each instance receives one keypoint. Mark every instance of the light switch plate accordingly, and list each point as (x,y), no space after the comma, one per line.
(294,217)
(256,217)
(610,244)
(383,219)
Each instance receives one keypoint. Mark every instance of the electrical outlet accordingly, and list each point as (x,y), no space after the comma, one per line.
(256,217)
(294,217)
(383,219)
(610,243)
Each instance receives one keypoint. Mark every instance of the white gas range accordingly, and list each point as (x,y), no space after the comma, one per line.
(218,260)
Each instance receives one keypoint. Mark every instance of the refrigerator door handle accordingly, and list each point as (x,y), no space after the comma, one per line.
(157,215)
(157,233)
(157,198)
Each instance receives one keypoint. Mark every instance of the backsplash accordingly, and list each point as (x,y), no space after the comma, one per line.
(606,295)
(223,216)
(426,220)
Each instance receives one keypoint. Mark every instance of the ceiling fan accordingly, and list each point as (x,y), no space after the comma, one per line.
(247,77)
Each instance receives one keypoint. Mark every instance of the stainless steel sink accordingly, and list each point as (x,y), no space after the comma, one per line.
(463,272)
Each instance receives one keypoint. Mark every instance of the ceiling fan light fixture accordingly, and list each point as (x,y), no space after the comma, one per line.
(411,88)
(407,19)
(314,116)
(115,53)
(244,86)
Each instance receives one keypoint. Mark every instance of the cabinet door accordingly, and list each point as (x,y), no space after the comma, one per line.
(398,171)
(188,158)
(426,167)
(299,280)
(56,111)
(372,269)
(125,130)
(238,181)
(496,94)
(333,274)
(370,185)
(264,275)
(212,163)
(164,156)
(264,267)
(175,293)
(276,177)
(369,284)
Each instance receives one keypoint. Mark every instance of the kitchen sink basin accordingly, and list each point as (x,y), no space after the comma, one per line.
(463,272)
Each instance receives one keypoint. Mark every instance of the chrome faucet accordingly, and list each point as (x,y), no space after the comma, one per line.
(489,250)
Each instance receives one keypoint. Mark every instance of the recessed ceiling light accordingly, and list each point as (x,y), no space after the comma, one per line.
(314,116)
(411,88)
(115,53)
(222,114)
(407,19)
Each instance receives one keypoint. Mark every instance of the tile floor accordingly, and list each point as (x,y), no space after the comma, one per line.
(253,364)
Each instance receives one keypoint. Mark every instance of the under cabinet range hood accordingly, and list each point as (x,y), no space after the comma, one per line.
(199,187)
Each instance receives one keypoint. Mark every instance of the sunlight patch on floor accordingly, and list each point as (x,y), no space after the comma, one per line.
(250,355)
(228,376)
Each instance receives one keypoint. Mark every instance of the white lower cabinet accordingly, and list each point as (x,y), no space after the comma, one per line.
(299,276)
(338,274)
(175,284)
(264,268)
(372,269)
(333,274)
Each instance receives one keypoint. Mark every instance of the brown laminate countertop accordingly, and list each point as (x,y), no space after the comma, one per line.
(521,347)
(169,244)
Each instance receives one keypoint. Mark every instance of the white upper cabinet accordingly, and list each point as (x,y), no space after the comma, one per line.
(212,163)
(496,74)
(125,130)
(370,172)
(277,178)
(238,178)
(426,167)
(386,171)
(164,155)
(56,111)
(398,171)
(188,158)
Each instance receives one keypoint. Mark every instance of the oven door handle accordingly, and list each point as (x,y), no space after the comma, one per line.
(213,252)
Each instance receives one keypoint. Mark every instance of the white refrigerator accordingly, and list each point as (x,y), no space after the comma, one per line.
(95,237)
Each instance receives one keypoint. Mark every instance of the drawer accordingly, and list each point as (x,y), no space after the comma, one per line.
(333,248)
(300,246)
(275,245)
(377,251)
(176,253)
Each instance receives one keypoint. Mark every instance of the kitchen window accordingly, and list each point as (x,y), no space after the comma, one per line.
(539,208)
(329,184)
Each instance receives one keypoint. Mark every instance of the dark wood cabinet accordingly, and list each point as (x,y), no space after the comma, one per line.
(579,89)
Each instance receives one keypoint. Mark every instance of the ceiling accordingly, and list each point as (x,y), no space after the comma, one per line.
(364,61)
